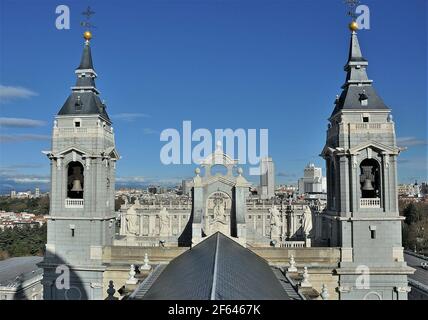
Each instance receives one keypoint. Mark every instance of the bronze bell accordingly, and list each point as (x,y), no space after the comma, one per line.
(77,186)
(368,186)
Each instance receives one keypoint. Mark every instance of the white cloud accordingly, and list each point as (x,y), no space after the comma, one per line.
(149,180)
(30,180)
(129,117)
(4,138)
(135,179)
(23,166)
(411,142)
(415,163)
(8,93)
(149,131)
(20,123)
(12,177)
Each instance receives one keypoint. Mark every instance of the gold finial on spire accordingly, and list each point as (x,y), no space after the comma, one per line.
(87,35)
(353,26)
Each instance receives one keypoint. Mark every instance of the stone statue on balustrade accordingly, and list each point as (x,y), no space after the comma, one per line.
(132,220)
(125,204)
(163,222)
(307,221)
(307,225)
(275,223)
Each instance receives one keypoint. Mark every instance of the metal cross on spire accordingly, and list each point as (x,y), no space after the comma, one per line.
(352,4)
(88,13)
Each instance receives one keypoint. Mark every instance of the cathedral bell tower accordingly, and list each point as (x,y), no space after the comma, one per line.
(83,163)
(362,206)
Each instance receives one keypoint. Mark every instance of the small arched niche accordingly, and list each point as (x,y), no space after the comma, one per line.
(75,180)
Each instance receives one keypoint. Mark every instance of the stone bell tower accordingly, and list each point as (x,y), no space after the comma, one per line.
(362,206)
(83,163)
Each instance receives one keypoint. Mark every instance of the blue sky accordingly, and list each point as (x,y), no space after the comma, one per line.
(221,64)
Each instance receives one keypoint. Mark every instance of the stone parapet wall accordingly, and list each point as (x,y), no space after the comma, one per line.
(321,263)
(328,257)
(122,254)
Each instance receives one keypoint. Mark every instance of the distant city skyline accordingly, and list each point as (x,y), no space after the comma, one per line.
(241,64)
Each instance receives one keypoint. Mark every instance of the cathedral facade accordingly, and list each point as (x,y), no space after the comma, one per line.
(361,220)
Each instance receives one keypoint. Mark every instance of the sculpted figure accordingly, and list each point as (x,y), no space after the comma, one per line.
(275,222)
(164,222)
(218,210)
(125,199)
(132,221)
(307,221)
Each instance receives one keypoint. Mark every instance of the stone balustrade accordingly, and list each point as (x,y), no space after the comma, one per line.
(293,244)
(369,203)
(74,203)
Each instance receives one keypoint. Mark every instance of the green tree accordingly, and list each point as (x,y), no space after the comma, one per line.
(411,214)
(22,241)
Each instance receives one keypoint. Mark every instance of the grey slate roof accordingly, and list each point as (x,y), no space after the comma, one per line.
(218,268)
(350,99)
(24,267)
(90,103)
(84,98)
(357,83)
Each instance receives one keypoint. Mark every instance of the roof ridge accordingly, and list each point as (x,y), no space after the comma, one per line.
(214,283)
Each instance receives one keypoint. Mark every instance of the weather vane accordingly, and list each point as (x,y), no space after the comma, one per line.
(88,13)
(352,4)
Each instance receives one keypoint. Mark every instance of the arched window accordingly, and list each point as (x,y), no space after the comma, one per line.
(75,180)
(370,179)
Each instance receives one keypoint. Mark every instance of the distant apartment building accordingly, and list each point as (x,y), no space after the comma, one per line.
(267,178)
(312,181)
(186,187)
(13,194)
(286,190)
(412,190)
(37,193)
(13,219)
(23,195)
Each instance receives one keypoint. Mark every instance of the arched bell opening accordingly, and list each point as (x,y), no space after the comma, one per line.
(370,185)
(75,180)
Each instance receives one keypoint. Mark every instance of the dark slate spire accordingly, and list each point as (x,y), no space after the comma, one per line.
(86,61)
(358,91)
(355,50)
(84,98)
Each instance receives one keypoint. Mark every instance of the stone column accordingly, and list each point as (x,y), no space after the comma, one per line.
(140,225)
(122,222)
(344,184)
(180,216)
(354,183)
(264,223)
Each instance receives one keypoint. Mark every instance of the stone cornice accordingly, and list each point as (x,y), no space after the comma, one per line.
(377,270)
(80,218)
